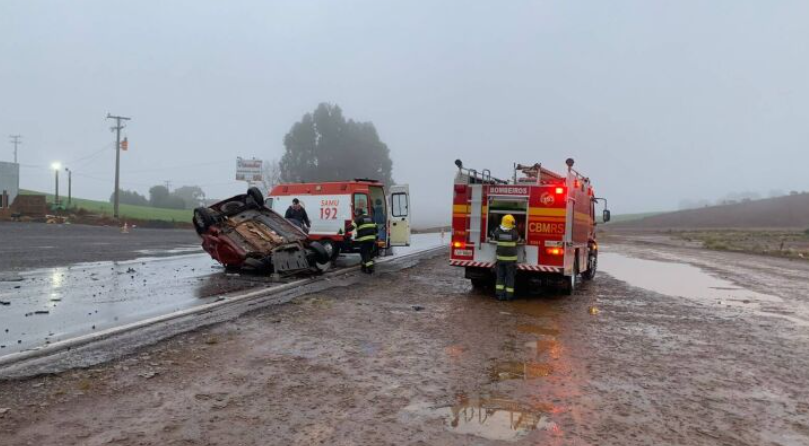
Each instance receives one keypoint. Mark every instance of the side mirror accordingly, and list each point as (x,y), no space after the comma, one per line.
(606,215)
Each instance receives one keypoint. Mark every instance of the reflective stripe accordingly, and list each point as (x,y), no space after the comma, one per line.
(509,290)
(507,258)
(507,244)
(367,226)
(368,238)
(499,287)
(371,263)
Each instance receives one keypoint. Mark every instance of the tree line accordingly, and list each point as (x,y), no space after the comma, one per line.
(185,197)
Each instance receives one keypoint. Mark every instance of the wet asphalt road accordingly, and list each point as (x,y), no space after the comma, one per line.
(44,305)
(39,245)
(718,357)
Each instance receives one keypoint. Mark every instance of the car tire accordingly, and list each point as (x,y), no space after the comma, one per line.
(332,250)
(256,195)
(203,219)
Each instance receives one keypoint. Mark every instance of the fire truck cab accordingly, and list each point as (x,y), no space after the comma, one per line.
(555,216)
(331,206)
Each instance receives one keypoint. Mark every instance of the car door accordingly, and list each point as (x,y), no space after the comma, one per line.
(399,216)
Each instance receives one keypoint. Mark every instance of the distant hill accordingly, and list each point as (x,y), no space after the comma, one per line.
(783,212)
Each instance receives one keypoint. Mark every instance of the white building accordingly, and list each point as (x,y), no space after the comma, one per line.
(9,183)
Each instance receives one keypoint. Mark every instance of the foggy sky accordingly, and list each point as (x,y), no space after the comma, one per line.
(657,101)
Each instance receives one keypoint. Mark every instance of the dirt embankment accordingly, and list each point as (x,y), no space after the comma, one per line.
(418,358)
(783,212)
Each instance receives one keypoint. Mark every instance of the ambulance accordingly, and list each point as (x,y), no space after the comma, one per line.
(331,206)
(556,218)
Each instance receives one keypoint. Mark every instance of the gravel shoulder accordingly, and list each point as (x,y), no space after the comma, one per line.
(420,358)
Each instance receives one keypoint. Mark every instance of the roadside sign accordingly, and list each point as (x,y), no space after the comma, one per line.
(248,169)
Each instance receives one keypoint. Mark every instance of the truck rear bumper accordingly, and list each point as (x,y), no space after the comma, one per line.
(520,267)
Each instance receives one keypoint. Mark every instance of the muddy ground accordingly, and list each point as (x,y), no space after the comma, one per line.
(37,245)
(420,358)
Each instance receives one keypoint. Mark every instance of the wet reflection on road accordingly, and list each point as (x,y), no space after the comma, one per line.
(491,416)
(53,304)
(521,392)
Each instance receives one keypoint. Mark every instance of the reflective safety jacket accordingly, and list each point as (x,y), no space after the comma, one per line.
(365,229)
(506,244)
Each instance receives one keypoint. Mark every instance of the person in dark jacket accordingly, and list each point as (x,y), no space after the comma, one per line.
(365,233)
(380,219)
(507,237)
(297,215)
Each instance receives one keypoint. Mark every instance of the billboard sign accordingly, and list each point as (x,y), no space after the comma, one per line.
(248,169)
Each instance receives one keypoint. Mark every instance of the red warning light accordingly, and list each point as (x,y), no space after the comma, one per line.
(560,190)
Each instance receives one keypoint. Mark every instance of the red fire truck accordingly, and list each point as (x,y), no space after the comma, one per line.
(331,206)
(555,216)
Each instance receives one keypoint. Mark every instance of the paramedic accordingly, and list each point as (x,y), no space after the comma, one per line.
(506,237)
(380,219)
(297,215)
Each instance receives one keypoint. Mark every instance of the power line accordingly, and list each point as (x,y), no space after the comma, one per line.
(15,139)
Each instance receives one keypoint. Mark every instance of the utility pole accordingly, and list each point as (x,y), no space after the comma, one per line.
(117,129)
(168,185)
(69,185)
(15,139)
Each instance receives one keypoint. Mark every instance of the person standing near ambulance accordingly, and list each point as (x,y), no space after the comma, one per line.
(365,233)
(507,237)
(297,215)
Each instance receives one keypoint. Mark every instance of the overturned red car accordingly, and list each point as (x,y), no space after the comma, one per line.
(241,232)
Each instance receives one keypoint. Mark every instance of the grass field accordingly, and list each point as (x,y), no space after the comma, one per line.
(126,210)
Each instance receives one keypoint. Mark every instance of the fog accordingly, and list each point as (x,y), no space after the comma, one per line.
(657,101)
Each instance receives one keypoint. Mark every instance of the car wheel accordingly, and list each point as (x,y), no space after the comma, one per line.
(256,195)
(331,249)
(203,219)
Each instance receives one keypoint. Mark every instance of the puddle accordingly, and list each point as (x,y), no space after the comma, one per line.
(490,417)
(537,330)
(508,370)
(679,280)
(536,307)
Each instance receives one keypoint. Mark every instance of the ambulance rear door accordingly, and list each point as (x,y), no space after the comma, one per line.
(399,215)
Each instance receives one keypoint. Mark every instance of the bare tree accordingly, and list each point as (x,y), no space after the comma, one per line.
(271,170)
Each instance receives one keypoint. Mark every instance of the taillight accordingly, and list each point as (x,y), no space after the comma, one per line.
(459,244)
(554,251)
(560,190)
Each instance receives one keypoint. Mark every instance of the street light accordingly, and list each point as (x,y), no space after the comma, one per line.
(69,185)
(57,166)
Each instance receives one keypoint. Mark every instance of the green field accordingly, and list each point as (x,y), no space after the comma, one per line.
(126,210)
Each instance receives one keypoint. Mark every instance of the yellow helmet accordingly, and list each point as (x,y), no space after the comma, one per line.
(508,221)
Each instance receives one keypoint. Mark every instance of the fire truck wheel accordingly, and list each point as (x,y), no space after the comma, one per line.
(570,286)
(592,266)
(480,284)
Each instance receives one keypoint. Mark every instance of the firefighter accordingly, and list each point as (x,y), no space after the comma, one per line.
(365,233)
(506,236)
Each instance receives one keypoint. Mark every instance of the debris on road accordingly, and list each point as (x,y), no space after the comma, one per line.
(4,411)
